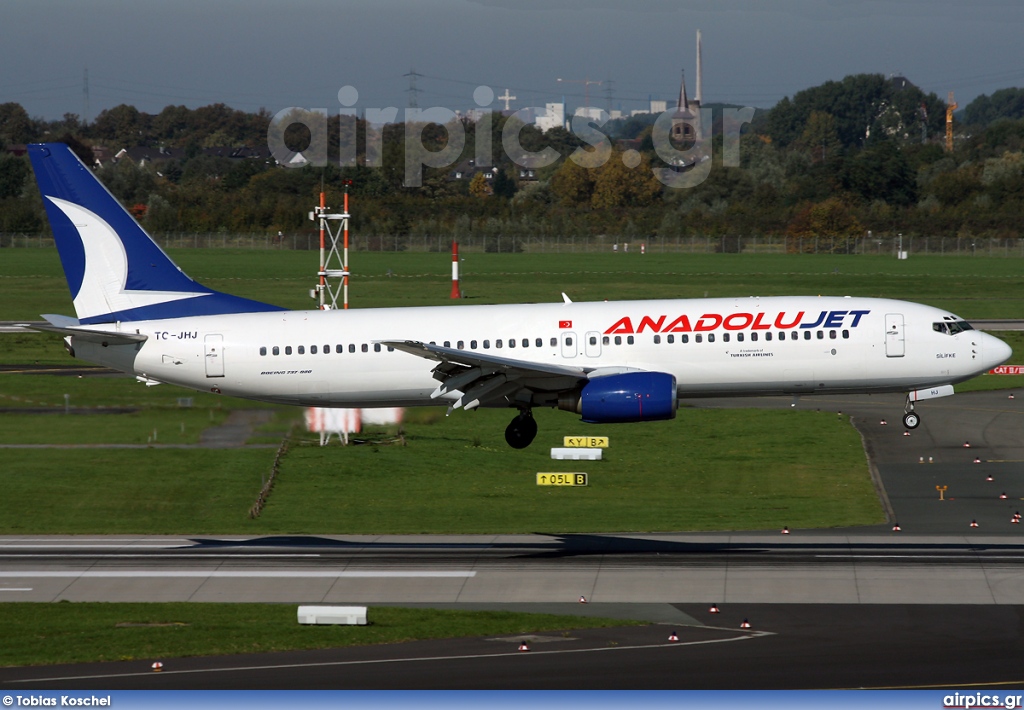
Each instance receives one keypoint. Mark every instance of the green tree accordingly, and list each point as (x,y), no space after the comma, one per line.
(13,174)
(819,137)
(478,186)
(572,184)
(1003,104)
(880,172)
(15,125)
(616,185)
(504,186)
(824,226)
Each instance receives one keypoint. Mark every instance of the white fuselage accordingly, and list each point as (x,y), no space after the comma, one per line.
(713,347)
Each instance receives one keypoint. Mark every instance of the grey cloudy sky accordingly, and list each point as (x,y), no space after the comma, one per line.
(258,53)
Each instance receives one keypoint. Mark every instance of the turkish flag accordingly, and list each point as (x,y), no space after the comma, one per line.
(565,324)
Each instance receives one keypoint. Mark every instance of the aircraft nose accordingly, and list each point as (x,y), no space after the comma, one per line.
(995,351)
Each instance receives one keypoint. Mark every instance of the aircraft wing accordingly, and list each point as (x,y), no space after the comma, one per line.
(484,379)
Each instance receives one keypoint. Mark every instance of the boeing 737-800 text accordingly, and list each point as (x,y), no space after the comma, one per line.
(626,361)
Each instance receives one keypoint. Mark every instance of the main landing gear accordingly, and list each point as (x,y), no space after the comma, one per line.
(910,418)
(521,431)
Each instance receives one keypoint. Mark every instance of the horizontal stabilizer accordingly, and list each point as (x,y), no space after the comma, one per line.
(103,337)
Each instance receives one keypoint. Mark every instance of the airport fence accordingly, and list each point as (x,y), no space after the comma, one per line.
(548,244)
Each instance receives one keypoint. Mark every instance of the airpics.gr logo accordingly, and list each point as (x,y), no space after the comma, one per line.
(736,321)
(686,167)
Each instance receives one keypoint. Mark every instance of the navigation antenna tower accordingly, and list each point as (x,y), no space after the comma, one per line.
(332,278)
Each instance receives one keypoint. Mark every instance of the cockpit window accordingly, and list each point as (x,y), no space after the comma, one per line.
(952,327)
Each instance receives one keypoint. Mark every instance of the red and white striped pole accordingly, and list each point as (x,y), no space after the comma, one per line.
(456,293)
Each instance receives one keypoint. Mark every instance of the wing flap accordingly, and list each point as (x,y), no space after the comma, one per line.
(484,379)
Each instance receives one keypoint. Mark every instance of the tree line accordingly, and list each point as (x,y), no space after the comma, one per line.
(833,161)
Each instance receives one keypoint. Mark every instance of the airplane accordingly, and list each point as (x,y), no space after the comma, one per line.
(625,361)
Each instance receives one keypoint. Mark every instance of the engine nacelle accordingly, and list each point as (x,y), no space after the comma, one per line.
(628,397)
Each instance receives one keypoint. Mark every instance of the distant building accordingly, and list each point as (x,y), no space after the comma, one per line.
(659,106)
(591,112)
(554,117)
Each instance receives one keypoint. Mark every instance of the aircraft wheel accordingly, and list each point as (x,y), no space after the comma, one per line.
(911,420)
(521,431)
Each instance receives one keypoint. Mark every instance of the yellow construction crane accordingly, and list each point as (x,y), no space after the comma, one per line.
(950,108)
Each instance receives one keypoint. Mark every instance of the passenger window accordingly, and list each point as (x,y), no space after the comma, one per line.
(526,342)
(807,335)
(365,348)
(794,335)
(302,350)
(511,342)
(739,337)
(684,338)
(312,350)
(276,350)
(351,347)
(657,340)
(725,337)
(568,341)
(846,335)
(497,343)
(821,335)
(376,347)
(391,349)
(605,340)
(263,350)
(711,337)
(671,339)
(472,345)
(698,338)
(768,335)
(487,345)
(539,342)
(461,345)
(554,342)
(447,343)
(327,349)
(287,349)
(339,348)
(832,335)
(629,340)
(618,340)
(753,337)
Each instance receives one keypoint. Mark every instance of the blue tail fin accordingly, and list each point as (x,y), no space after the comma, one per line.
(115,271)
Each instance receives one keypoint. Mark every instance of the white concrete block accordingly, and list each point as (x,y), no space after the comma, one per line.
(564,454)
(346,615)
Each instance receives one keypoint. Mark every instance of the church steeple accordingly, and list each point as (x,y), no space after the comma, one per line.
(686,119)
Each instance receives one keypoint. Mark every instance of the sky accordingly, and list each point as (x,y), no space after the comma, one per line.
(252,54)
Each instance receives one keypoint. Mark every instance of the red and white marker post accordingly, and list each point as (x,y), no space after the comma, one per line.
(456,292)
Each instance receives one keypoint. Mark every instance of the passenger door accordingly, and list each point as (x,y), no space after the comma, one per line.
(894,345)
(214,355)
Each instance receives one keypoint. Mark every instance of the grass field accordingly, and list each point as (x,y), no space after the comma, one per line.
(706,470)
(38,634)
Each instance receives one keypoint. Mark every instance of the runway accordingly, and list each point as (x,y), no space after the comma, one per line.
(937,602)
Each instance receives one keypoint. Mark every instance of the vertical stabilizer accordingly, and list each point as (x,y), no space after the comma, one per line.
(114,270)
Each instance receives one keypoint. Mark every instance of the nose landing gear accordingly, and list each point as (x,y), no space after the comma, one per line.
(521,431)
(910,418)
